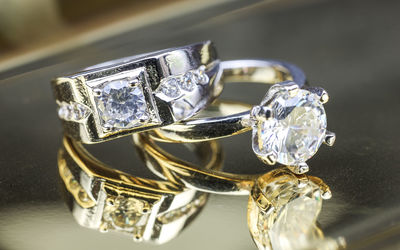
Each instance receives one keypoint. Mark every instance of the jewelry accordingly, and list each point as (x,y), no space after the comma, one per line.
(281,203)
(283,209)
(138,93)
(288,126)
(107,199)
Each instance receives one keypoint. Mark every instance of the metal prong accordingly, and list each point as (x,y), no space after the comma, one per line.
(137,237)
(292,88)
(134,82)
(324,97)
(107,127)
(321,93)
(97,92)
(110,202)
(299,169)
(330,138)
(103,228)
(326,191)
(326,194)
(261,112)
(270,159)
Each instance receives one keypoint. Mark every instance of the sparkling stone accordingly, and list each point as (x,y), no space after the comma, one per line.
(63,112)
(125,213)
(170,88)
(73,111)
(188,81)
(200,77)
(121,105)
(290,223)
(295,131)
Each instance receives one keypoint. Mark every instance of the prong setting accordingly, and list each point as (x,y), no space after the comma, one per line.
(269,159)
(261,113)
(301,168)
(330,138)
(286,108)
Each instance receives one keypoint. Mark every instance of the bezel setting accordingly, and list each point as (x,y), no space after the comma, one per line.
(290,125)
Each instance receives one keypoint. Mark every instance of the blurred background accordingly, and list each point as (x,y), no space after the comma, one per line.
(351,48)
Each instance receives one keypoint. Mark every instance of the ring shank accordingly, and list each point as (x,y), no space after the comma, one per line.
(223,125)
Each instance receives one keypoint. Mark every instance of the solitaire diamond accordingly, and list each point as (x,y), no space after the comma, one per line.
(121,104)
(290,125)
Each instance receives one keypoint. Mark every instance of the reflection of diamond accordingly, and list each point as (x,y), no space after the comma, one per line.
(290,222)
(125,213)
(170,88)
(296,129)
(121,104)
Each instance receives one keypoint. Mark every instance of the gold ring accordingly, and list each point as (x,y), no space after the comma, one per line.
(108,199)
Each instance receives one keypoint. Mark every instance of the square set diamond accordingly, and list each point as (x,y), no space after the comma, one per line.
(121,104)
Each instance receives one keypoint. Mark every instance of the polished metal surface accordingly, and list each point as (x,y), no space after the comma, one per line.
(347,47)
(145,74)
(216,127)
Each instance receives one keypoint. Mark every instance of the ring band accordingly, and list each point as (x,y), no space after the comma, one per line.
(257,71)
(191,175)
(208,180)
(276,199)
(107,199)
(138,93)
(288,126)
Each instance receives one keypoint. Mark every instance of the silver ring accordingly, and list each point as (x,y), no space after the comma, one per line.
(138,93)
(279,134)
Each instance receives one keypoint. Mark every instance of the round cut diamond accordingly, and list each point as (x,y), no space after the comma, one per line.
(170,88)
(121,105)
(188,81)
(296,129)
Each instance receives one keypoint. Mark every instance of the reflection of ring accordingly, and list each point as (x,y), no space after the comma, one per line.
(107,199)
(133,94)
(288,126)
(281,203)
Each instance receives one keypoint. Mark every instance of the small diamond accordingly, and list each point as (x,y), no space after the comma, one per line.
(121,105)
(63,112)
(188,81)
(170,87)
(73,112)
(296,129)
(200,76)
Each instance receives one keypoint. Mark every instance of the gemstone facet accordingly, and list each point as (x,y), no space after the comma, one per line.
(175,86)
(121,104)
(293,128)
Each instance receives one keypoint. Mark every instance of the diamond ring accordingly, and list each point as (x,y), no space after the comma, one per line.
(110,200)
(137,93)
(288,126)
